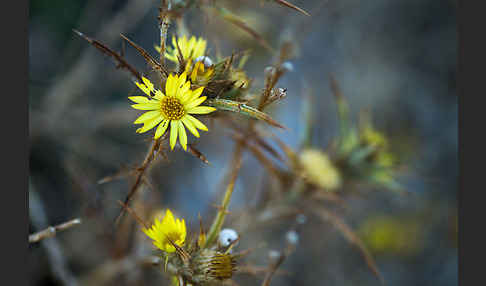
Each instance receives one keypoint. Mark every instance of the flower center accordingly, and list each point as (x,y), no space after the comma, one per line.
(172,108)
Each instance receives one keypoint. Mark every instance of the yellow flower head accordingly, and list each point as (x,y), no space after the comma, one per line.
(190,49)
(319,170)
(396,235)
(174,107)
(166,230)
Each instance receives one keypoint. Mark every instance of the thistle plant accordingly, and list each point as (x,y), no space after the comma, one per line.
(188,88)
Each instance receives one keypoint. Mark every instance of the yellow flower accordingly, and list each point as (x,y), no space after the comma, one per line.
(190,49)
(396,235)
(174,107)
(319,170)
(165,230)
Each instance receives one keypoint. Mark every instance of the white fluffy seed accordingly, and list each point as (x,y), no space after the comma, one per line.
(206,61)
(227,236)
(292,237)
(288,66)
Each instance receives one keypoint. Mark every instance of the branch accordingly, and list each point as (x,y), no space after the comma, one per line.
(141,171)
(52,230)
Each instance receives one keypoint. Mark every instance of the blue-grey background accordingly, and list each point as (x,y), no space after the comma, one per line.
(395,58)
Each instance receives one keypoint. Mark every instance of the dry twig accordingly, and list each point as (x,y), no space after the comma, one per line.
(52,230)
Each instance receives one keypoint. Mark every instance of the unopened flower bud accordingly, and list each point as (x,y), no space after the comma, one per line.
(210,266)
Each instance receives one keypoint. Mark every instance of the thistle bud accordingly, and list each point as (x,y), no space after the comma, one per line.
(209,266)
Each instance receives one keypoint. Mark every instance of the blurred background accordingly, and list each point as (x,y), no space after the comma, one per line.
(396,59)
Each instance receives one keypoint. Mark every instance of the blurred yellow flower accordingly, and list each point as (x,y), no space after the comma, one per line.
(174,107)
(319,170)
(190,49)
(165,230)
(384,234)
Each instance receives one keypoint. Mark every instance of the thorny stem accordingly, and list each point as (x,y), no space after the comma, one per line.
(219,220)
(141,172)
(52,230)
(163,26)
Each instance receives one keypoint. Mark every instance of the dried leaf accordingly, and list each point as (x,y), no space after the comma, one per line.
(151,61)
(292,6)
(104,49)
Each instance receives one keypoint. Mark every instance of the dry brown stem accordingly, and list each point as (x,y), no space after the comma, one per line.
(52,230)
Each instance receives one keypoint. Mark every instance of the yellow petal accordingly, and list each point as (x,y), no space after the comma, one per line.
(158,95)
(161,129)
(171,57)
(182,136)
(194,102)
(170,86)
(183,226)
(184,93)
(168,216)
(148,84)
(181,80)
(147,116)
(147,106)
(198,124)
(143,88)
(174,126)
(190,126)
(194,94)
(201,110)
(139,99)
(150,124)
